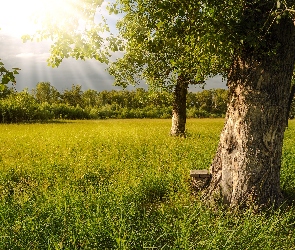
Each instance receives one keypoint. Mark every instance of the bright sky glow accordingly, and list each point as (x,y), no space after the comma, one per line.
(17,16)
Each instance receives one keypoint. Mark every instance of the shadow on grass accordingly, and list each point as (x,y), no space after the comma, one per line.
(289,195)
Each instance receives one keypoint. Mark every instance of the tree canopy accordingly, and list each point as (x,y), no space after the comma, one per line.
(162,39)
(196,38)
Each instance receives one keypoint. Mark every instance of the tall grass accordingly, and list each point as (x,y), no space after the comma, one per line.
(124,184)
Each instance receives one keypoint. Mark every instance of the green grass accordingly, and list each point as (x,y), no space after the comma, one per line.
(124,184)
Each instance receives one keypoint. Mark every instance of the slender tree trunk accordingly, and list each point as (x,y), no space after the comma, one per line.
(179,107)
(246,167)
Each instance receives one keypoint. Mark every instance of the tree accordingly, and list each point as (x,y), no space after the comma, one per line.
(205,99)
(246,167)
(90,98)
(219,101)
(45,92)
(73,97)
(252,44)
(161,50)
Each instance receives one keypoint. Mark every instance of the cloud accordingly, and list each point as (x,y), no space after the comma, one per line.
(26,55)
(37,57)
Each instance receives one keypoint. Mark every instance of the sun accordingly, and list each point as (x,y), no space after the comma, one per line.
(19,17)
(15,19)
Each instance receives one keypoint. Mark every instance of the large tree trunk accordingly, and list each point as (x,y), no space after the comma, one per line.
(246,167)
(179,107)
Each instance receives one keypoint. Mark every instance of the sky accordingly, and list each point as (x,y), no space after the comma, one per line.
(30,57)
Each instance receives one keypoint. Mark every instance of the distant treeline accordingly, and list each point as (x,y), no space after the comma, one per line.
(45,102)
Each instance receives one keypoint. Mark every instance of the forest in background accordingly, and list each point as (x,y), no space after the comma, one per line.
(45,102)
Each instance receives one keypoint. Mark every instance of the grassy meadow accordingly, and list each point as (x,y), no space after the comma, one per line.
(124,184)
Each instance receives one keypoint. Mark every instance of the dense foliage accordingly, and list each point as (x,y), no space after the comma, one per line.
(45,102)
(163,41)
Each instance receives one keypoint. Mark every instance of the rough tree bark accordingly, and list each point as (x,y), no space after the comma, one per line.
(179,107)
(246,167)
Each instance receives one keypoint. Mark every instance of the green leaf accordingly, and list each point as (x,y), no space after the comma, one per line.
(160,24)
(181,13)
(5,80)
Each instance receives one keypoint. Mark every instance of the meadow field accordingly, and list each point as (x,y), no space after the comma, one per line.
(124,184)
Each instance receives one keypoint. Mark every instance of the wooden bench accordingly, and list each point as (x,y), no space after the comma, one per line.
(199,179)
(204,173)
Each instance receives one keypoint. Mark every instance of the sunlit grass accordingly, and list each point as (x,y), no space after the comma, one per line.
(124,184)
